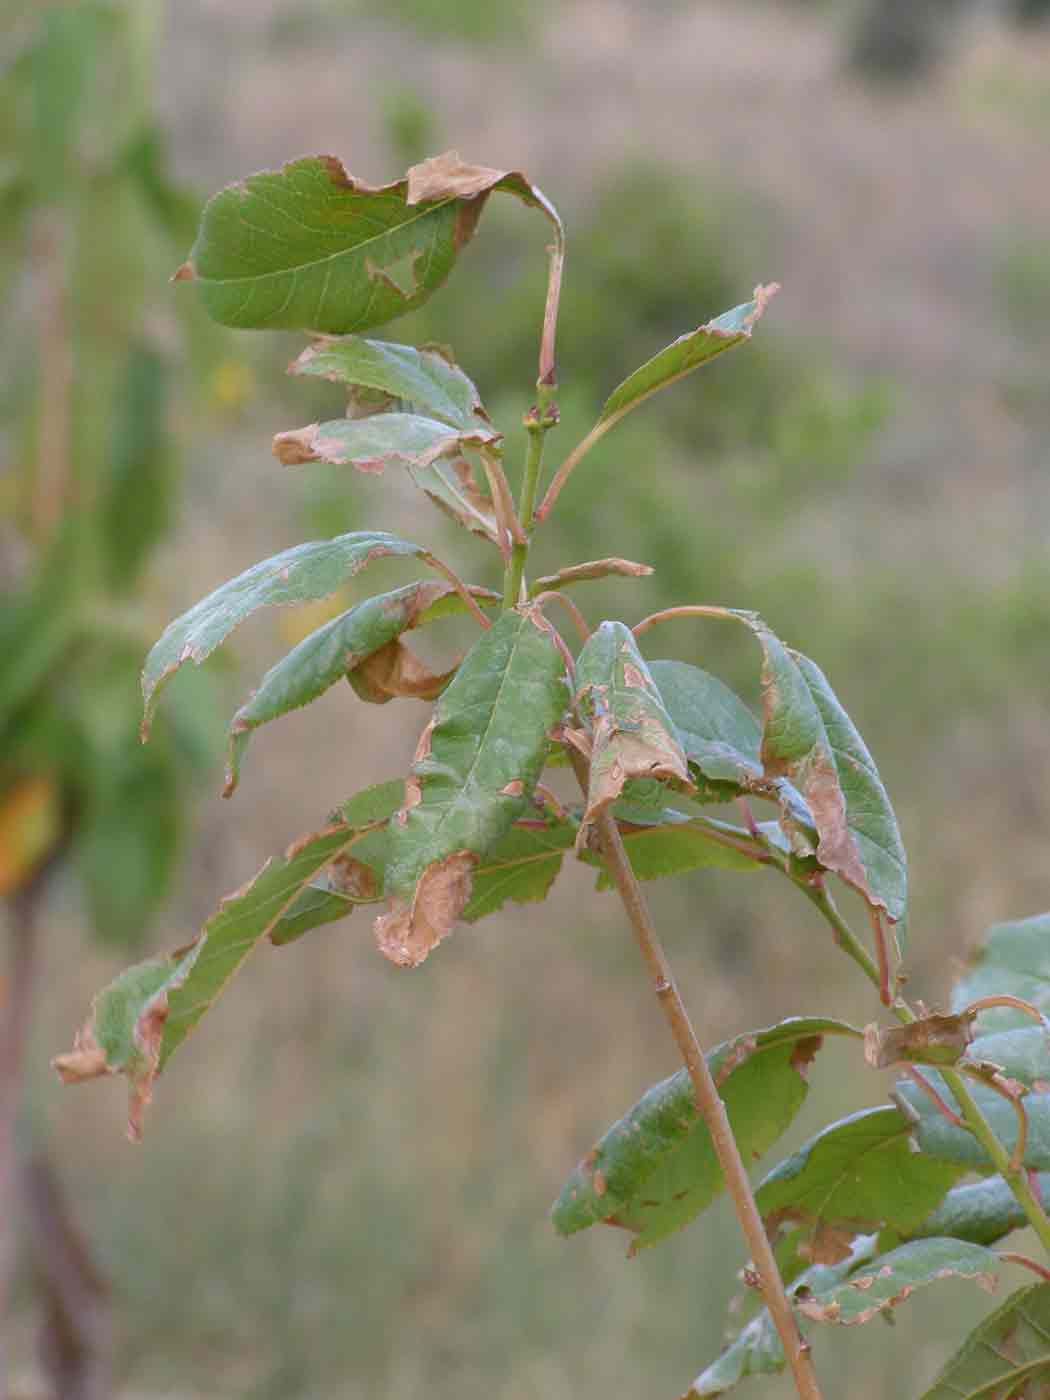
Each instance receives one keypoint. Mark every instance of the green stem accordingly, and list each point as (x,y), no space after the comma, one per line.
(538,422)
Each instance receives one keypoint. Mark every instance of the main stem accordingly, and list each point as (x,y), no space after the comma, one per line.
(708,1099)
(538,422)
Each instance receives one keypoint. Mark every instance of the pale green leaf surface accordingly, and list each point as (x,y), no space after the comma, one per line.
(1006,1355)
(981,1211)
(656,1169)
(425,378)
(891,1278)
(522,866)
(371,444)
(325,657)
(857,1175)
(672,849)
(301,574)
(718,732)
(684,355)
(939,1137)
(1014,958)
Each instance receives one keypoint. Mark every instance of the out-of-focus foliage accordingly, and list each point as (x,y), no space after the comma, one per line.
(91,226)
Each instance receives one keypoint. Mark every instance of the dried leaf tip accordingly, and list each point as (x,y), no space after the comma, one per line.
(762,296)
(407,934)
(447,175)
(184,272)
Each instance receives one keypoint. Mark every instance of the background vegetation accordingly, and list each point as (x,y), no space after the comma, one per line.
(370,1157)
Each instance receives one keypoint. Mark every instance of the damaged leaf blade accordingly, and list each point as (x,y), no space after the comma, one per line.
(298,575)
(309,247)
(476,767)
(140,1020)
(427,378)
(325,657)
(632,735)
(720,736)
(1008,1354)
(656,1169)
(374,443)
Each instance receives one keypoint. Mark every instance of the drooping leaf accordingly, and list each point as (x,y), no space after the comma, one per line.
(374,443)
(297,575)
(684,355)
(884,1283)
(809,739)
(632,735)
(656,1169)
(982,1212)
(594,568)
(756,1349)
(858,1175)
(325,657)
(719,734)
(428,378)
(140,1020)
(1015,959)
(475,769)
(309,247)
(1006,1357)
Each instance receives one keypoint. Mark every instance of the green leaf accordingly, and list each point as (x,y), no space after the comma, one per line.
(325,657)
(982,1212)
(1015,959)
(684,355)
(756,1349)
(371,444)
(298,575)
(719,734)
(809,739)
(476,766)
(883,1284)
(135,499)
(939,1137)
(857,1175)
(428,378)
(1007,1355)
(139,1021)
(308,247)
(656,1168)
(521,866)
(632,735)
(672,849)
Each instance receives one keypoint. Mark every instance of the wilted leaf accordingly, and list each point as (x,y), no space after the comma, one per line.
(475,769)
(394,672)
(595,568)
(428,378)
(1006,1357)
(929,1040)
(309,247)
(297,575)
(140,1020)
(371,444)
(656,1168)
(632,735)
(329,654)
(756,1349)
(890,1278)
(857,1175)
(1015,959)
(809,739)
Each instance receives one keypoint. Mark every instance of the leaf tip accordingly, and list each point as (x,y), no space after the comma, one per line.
(184,272)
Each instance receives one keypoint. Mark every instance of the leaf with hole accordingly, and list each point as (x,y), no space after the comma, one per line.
(1006,1357)
(297,575)
(476,766)
(309,247)
(656,1169)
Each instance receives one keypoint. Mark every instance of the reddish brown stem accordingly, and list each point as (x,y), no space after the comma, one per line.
(460,587)
(1025,1262)
(937,1101)
(578,619)
(878,934)
(708,1100)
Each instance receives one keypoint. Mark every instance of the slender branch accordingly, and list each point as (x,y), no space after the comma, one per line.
(538,422)
(578,619)
(563,473)
(708,1100)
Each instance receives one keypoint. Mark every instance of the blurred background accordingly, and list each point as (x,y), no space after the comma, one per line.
(344,1186)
